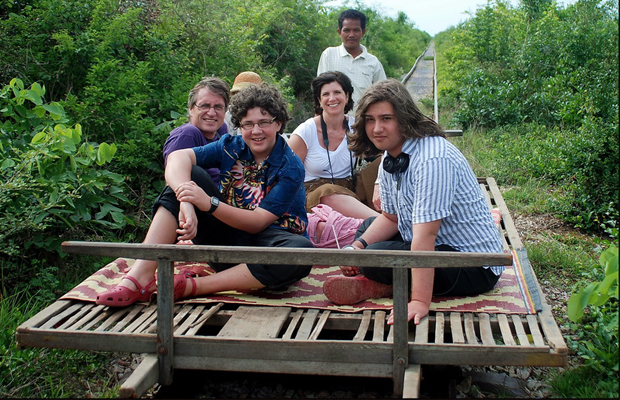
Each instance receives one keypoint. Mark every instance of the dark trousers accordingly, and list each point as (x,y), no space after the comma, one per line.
(212,231)
(448,281)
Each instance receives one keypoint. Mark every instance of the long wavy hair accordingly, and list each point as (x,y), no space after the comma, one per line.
(411,122)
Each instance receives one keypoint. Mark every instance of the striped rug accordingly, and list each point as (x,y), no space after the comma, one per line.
(515,292)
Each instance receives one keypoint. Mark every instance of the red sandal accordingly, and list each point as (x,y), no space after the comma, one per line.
(344,290)
(180,284)
(121,296)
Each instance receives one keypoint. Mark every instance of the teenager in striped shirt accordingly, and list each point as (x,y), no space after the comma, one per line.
(431,201)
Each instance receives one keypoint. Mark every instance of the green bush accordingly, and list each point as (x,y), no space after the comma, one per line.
(599,293)
(596,332)
(51,181)
(544,79)
(553,66)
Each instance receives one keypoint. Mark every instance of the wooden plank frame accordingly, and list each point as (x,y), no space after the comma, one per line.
(186,336)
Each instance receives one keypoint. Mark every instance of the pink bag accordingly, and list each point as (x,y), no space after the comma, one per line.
(338,230)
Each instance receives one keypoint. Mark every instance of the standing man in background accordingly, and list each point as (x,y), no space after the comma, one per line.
(351,57)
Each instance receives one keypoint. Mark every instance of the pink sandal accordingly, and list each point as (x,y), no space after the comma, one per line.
(180,284)
(121,296)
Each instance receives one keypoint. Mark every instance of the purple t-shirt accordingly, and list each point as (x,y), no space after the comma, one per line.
(187,136)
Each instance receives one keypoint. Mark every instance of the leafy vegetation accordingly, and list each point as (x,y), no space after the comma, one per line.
(549,75)
(597,334)
(91,89)
(527,84)
(52,185)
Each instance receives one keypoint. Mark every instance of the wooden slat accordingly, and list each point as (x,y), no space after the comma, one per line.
(319,326)
(521,335)
(180,314)
(114,317)
(79,313)
(390,337)
(44,315)
(400,358)
(293,325)
(307,324)
(509,225)
(486,332)
(413,378)
(485,193)
(439,328)
(89,319)
(552,331)
(165,314)
(478,355)
(129,317)
(421,331)
(470,330)
(249,322)
(188,314)
(142,379)
(379,326)
(364,324)
(195,327)
(532,323)
(283,255)
(456,328)
(487,197)
(145,318)
(99,319)
(52,322)
(504,327)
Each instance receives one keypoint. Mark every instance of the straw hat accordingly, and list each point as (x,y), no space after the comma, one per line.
(244,80)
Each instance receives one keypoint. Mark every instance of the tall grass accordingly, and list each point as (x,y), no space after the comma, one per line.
(47,373)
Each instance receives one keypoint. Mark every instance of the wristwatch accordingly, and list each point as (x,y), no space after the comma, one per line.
(214,203)
(362,241)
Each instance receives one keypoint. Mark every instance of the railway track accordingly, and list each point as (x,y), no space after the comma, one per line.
(421,81)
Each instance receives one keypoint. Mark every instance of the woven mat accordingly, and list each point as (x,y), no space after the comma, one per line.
(511,295)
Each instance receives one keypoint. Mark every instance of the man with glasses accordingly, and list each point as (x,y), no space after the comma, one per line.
(351,57)
(206,107)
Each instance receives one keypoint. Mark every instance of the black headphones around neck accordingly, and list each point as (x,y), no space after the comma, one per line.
(396,165)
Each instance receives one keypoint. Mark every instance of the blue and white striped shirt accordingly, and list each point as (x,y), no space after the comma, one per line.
(440,184)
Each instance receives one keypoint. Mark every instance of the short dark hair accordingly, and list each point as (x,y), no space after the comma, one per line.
(352,14)
(214,85)
(411,121)
(266,97)
(329,77)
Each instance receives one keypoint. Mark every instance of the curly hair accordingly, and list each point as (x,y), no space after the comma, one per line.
(412,123)
(266,96)
(214,85)
(329,77)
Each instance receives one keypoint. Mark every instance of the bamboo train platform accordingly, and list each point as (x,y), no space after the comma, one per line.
(294,340)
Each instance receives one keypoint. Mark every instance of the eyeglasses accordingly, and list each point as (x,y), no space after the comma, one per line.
(218,108)
(248,126)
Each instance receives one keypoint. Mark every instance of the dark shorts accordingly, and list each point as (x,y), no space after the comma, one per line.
(212,231)
(448,281)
